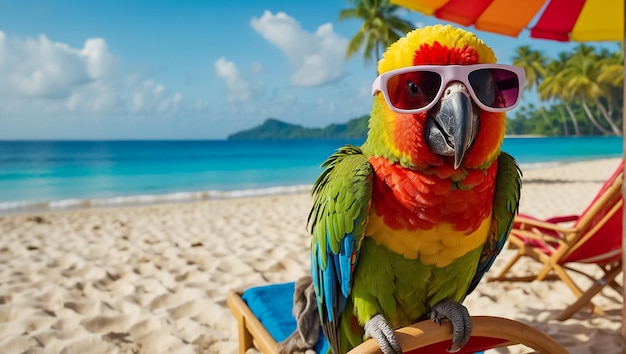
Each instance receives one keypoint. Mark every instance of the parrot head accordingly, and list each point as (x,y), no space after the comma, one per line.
(440,100)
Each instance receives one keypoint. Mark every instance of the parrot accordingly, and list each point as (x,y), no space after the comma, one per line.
(405,226)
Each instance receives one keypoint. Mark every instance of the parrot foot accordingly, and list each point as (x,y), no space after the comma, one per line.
(378,328)
(461,322)
(307,318)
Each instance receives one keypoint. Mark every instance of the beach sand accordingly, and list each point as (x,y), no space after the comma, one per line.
(153,279)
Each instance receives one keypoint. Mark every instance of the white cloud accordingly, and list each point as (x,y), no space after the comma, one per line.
(256,68)
(99,61)
(40,68)
(238,89)
(42,76)
(316,58)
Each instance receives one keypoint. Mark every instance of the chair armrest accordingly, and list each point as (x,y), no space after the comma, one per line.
(249,326)
(426,333)
(551,235)
(562,219)
(546,240)
(526,221)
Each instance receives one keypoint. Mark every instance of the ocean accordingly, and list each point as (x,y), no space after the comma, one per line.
(54,175)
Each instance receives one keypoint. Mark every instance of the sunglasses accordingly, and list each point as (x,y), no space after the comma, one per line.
(415,89)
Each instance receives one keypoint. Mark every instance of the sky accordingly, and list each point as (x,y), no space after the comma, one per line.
(141,69)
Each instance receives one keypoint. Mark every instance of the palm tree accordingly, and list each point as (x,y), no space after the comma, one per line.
(613,67)
(581,83)
(551,87)
(586,82)
(380,28)
(611,78)
(533,62)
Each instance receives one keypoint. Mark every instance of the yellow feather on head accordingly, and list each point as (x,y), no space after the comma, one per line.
(401,53)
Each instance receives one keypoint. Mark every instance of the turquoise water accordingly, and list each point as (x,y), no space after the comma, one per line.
(61,174)
(532,151)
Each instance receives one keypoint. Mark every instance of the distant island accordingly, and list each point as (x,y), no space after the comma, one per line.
(274,129)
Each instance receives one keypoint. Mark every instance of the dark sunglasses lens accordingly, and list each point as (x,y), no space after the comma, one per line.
(413,90)
(496,88)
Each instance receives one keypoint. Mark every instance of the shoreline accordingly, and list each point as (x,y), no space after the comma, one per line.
(153,279)
(27,207)
(72,204)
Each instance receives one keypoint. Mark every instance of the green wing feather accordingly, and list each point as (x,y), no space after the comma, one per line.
(505,205)
(338,221)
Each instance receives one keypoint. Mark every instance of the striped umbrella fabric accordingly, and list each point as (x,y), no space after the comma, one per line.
(560,20)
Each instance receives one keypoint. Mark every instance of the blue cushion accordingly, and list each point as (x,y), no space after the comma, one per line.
(272,305)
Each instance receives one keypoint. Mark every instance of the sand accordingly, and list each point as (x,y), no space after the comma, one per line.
(153,279)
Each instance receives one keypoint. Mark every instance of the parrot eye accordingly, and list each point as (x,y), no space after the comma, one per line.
(413,90)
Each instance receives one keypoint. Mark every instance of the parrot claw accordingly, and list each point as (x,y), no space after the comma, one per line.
(378,328)
(461,322)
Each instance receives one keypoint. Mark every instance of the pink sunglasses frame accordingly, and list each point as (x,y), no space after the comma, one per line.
(449,73)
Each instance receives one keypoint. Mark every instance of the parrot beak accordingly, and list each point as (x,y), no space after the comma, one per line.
(452,127)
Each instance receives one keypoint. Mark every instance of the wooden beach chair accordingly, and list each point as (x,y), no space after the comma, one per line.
(593,237)
(264,318)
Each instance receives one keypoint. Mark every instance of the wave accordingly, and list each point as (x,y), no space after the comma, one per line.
(134,200)
(537,165)
(548,164)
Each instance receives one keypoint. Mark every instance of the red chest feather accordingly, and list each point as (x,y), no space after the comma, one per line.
(411,200)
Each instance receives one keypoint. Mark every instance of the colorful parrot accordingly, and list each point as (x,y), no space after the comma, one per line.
(405,226)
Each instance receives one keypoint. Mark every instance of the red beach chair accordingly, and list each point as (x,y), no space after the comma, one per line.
(594,237)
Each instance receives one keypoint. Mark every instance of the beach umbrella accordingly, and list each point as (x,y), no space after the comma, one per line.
(559,20)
